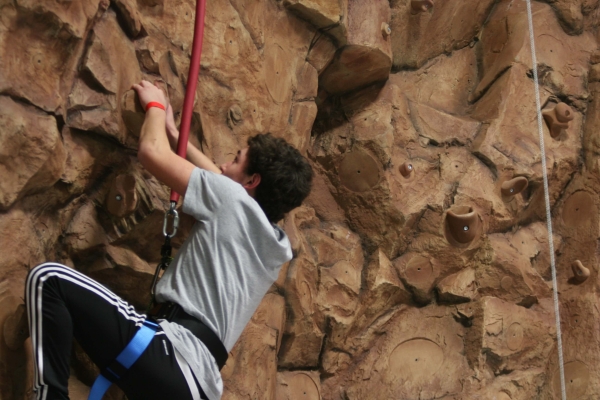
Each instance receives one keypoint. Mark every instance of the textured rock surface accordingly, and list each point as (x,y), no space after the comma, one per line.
(422,264)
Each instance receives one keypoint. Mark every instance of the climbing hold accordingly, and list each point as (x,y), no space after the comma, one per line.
(298,385)
(558,118)
(277,75)
(417,360)
(579,210)
(419,271)
(421,5)
(514,186)
(514,336)
(359,171)
(577,379)
(462,225)
(386,30)
(132,113)
(234,115)
(122,198)
(580,273)
(232,47)
(406,169)
(506,283)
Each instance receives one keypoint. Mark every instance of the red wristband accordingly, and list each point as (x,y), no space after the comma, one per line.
(154,104)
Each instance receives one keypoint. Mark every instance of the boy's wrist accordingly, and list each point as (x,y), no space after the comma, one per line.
(155,104)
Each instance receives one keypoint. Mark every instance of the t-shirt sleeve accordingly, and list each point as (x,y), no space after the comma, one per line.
(207,193)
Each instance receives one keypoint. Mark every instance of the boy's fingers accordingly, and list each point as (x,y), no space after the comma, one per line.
(159,83)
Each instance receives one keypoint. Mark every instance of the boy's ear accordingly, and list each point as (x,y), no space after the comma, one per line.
(252,182)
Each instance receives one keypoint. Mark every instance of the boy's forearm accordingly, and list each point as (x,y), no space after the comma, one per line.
(153,140)
(198,158)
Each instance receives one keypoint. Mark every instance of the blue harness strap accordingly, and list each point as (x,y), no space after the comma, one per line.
(124,360)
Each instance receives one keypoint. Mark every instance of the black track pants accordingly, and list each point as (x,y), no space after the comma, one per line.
(63,303)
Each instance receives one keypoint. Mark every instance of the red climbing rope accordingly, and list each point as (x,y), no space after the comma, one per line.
(182,142)
(190,92)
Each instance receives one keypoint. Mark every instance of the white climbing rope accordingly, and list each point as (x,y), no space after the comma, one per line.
(547,198)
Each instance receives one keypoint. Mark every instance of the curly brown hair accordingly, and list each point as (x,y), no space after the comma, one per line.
(286,176)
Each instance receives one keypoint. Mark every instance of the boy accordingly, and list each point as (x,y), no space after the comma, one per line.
(210,290)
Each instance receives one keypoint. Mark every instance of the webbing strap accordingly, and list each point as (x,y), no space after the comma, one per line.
(134,349)
(547,200)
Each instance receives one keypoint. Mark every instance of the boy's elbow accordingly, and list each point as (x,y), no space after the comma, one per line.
(148,157)
(142,155)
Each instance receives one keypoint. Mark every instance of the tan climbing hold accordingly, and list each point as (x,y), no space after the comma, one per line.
(234,116)
(421,5)
(386,30)
(577,379)
(419,275)
(16,329)
(406,169)
(419,270)
(277,72)
(416,360)
(462,225)
(501,396)
(359,171)
(303,386)
(122,198)
(580,273)
(296,385)
(578,210)
(514,186)
(558,118)
(132,113)
(514,336)
(506,283)
(232,47)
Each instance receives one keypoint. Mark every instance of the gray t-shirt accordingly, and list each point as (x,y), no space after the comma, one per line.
(222,271)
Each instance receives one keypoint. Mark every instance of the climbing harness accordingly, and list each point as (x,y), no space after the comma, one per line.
(173,312)
(144,335)
(114,371)
(547,200)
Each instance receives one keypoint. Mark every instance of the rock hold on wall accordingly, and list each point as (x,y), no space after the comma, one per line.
(32,156)
(365,57)
(421,261)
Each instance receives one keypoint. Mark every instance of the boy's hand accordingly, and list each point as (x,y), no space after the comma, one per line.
(147,92)
(172,131)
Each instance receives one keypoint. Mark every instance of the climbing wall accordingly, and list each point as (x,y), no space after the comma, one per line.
(422,261)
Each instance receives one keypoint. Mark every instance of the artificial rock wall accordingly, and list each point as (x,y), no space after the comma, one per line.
(421,266)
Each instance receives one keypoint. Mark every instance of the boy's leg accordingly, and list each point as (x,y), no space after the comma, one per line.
(161,362)
(62,303)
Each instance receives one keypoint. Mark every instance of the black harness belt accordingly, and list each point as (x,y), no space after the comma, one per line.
(173,312)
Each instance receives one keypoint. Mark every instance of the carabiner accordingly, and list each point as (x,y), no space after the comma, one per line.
(172,211)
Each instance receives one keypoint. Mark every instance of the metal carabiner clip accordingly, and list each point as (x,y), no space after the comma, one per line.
(172,211)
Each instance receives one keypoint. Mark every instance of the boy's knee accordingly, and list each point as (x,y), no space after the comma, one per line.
(44,268)
(46,273)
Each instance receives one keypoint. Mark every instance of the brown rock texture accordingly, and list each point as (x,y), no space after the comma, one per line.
(422,264)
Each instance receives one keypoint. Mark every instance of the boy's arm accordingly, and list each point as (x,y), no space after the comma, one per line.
(154,151)
(194,155)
